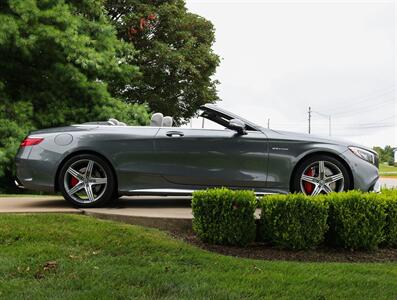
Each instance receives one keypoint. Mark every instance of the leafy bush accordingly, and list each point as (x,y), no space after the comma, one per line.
(390,197)
(222,216)
(293,221)
(61,62)
(357,220)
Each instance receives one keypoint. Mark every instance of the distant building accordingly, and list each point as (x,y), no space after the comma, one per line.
(395,155)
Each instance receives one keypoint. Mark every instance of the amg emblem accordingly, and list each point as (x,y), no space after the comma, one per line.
(280,149)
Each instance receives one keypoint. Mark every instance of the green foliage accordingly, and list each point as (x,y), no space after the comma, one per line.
(135,114)
(356,220)
(390,198)
(57,59)
(175,55)
(293,221)
(222,216)
(386,155)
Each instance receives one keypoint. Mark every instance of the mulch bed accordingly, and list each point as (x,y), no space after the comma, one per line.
(268,252)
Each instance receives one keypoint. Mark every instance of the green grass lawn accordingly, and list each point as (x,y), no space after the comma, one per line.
(386,168)
(98,259)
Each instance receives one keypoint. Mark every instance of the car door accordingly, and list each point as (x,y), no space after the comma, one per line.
(211,157)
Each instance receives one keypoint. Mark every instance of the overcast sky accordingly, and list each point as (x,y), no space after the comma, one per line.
(280,57)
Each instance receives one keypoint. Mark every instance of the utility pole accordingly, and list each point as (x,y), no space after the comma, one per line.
(310,118)
(268,123)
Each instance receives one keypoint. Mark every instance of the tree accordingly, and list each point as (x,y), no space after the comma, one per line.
(386,155)
(175,55)
(56,61)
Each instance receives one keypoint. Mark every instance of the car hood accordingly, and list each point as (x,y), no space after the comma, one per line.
(296,136)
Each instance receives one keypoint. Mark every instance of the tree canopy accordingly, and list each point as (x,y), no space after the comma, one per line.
(386,155)
(71,61)
(175,56)
(57,60)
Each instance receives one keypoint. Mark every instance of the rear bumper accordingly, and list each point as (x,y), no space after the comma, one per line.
(33,172)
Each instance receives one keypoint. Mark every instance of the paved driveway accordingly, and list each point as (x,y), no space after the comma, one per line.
(167,213)
(145,206)
(389,182)
(149,207)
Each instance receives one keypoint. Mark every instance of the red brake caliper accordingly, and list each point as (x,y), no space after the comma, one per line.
(73,181)
(307,185)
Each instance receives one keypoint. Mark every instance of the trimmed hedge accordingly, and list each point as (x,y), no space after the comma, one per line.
(390,198)
(293,221)
(223,216)
(353,220)
(357,220)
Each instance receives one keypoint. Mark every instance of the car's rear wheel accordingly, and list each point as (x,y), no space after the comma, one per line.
(320,174)
(87,180)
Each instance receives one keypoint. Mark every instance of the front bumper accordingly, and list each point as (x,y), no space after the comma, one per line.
(18,183)
(377,186)
(365,174)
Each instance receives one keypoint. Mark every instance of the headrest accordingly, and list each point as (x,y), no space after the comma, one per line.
(167,121)
(157,120)
(113,121)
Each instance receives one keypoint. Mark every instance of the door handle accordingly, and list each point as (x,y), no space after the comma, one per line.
(174,133)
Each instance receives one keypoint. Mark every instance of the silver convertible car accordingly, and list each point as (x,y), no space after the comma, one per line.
(94,163)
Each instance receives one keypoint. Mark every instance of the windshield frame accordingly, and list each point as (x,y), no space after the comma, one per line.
(218,115)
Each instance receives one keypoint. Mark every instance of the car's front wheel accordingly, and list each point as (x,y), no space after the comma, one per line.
(87,180)
(320,174)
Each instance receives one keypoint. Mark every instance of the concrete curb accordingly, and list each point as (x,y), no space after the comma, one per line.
(175,225)
(162,213)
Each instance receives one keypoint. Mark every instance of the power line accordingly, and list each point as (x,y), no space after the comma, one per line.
(369,97)
(360,110)
(329,120)
(302,123)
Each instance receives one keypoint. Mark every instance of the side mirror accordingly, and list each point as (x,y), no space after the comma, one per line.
(237,125)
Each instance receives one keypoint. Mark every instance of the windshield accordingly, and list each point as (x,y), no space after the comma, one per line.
(209,118)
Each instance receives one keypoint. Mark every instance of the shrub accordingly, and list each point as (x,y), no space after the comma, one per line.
(356,220)
(293,221)
(222,216)
(390,197)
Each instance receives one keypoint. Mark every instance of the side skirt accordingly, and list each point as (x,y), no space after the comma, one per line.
(182,192)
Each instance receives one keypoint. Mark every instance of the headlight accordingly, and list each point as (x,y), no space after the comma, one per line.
(364,154)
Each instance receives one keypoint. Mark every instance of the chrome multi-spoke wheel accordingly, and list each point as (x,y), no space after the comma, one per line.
(321,175)
(87,181)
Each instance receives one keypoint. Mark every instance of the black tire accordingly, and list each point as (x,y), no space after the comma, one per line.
(101,193)
(330,162)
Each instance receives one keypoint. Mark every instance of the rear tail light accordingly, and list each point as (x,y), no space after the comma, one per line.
(31,141)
